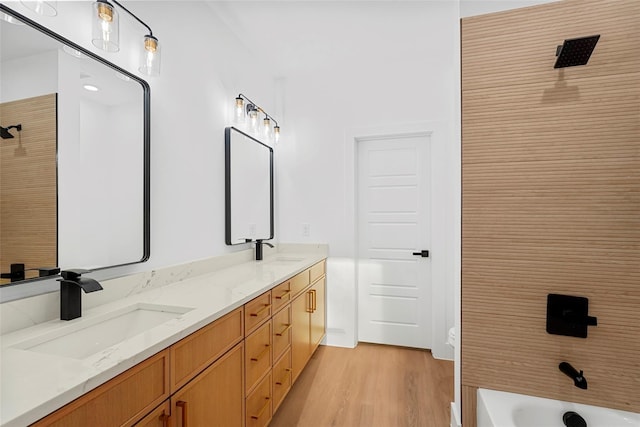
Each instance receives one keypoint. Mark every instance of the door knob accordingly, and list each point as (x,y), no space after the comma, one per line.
(423,253)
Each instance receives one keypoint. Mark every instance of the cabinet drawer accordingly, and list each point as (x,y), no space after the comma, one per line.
(158,418)
(257,355)
(281,295)
(281,332)
(194,353)
(257,311)
(317,271)
(281,379)
(120,401)
(299,282)
(259,404)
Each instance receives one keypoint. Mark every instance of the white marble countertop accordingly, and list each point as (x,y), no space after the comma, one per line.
(34,384)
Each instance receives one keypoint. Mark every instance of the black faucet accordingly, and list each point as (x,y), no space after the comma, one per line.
(578,379)
(70,296)
(259,244)
(17,273)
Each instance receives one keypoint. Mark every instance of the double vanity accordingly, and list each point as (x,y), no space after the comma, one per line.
(221,347)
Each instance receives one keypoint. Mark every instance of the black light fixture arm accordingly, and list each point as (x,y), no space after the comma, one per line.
(133,15)
(250,102)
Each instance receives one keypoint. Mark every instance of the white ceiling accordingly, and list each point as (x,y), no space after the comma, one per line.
(299,36)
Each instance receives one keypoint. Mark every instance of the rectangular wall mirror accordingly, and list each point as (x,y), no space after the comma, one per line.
(249,188)
(74,184)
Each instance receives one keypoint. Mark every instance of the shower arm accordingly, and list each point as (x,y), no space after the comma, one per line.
(4,131)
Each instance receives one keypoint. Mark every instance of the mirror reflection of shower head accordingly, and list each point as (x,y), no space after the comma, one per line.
(4,132)
(575,51)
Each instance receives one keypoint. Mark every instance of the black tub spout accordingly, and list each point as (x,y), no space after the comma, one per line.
(578,378)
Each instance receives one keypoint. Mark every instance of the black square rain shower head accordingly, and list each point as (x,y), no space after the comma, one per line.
(575,51)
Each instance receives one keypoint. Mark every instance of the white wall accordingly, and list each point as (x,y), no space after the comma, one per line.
(398,71)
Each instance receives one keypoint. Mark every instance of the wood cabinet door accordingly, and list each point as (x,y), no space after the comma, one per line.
(215,397)
(300,343)
(318,319)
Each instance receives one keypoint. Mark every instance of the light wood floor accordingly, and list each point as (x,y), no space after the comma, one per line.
(371,385)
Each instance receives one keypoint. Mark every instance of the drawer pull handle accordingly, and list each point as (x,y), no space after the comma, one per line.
(284,331)
(183,405)
(314,301)
(264,408)
(284,294)
(257,313)
(309,302)
(284,377)
(262,353)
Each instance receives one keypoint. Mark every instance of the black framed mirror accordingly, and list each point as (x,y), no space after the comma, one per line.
(93,204)
(248,188)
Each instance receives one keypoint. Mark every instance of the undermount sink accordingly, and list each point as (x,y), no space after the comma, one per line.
(83,338)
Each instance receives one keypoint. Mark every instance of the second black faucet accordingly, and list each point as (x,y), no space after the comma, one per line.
(259,244)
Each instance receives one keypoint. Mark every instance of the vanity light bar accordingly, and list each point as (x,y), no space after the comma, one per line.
(251,109)
(106,35)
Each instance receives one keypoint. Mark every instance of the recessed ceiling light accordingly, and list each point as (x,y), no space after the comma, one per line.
(91,88)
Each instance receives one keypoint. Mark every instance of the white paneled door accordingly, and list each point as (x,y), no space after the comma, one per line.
(394,284)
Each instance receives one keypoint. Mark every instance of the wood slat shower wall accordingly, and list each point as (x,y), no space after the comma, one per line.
(551,201)
(28,224)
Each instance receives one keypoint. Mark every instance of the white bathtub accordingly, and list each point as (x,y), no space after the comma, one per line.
(502,409)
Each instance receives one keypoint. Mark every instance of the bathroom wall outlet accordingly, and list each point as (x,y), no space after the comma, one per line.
(306,230)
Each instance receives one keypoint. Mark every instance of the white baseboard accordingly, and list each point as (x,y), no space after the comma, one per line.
(339,338)
(455,417)
(442,351)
